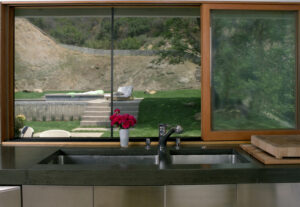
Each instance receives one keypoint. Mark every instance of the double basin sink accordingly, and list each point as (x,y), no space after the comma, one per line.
(142,157)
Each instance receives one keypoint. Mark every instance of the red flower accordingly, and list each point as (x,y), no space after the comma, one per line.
(132,118)
(114,120)
(124,121)
(117,111)
(126,125)
(112,117)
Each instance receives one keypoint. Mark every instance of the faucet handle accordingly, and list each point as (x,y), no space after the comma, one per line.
(148,143)
(162,129)
(178,129)
(177,143)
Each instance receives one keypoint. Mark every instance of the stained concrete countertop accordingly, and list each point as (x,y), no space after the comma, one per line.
(19,166)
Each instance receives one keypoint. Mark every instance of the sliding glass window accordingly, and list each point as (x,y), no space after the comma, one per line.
(62,70)
(67,59)
(157,53)
(254,78)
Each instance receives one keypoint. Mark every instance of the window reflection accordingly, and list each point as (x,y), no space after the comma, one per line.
(254,70)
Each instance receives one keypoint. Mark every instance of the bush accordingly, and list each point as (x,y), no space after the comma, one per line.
(104,44)
(19,124)
(130,43)
(71,118)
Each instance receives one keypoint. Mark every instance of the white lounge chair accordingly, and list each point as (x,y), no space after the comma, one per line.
(124,93)
(55,133)
(27,132)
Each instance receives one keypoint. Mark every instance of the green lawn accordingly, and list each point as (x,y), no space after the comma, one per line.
(168,107)
(40,126)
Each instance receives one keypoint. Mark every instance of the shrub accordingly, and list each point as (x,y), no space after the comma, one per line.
(130,43)
(19,124)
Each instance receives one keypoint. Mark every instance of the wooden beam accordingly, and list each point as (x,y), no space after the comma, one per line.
(11,73)
(6,71)
(205,76)
(298,70)
(3,70)
(116,144)
(141,2)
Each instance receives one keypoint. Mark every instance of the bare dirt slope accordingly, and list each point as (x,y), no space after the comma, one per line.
(42,63)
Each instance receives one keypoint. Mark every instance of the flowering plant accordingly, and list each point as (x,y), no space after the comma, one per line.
(21,117)
(124,121)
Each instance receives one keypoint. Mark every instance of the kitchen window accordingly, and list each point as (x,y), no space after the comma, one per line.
(68,61)
(249,85)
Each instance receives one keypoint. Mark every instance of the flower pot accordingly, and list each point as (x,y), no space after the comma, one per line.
(124,137)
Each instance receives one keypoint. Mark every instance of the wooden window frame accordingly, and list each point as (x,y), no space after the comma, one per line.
(7,59)
(7,72)
(208,134)
(7,65)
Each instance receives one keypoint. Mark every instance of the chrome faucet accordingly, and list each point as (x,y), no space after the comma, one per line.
(163,157)
(163,135)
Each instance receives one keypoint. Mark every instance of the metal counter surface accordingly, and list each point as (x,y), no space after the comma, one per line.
(19,166)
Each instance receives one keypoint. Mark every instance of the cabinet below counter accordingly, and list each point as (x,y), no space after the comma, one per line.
(10,196)
(240,195)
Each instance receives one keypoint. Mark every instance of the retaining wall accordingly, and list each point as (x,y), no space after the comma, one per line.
(92,51)
(50,110)
(43,110)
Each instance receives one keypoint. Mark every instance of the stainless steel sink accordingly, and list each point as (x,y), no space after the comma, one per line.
(144,157)
(106,159)
(205,159)
(91,157)
(208,156)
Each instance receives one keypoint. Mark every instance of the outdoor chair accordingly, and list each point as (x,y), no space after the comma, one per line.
(124,93)
(27,132)
(55,133)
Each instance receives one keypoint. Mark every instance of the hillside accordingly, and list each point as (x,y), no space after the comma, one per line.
(40,62)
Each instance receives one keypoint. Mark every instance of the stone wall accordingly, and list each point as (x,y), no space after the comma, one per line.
(41,110)
(108,52)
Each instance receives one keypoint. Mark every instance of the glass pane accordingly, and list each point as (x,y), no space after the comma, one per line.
(159,56)
(253,70)
(62,70)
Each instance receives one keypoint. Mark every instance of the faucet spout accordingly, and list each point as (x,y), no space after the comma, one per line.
(163,138)
(163,157)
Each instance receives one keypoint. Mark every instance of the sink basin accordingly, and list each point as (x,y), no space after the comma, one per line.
(105,159)
(93,157)
(142,157)
(208,156)
(205,159)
